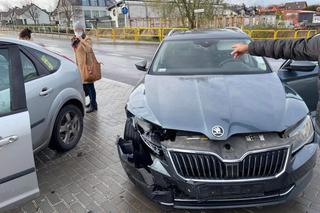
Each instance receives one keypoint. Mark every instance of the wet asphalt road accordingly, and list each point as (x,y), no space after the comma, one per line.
(118,60)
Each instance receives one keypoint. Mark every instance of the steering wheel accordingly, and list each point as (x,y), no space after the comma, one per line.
(226,61)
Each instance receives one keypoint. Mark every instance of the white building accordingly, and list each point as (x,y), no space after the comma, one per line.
(31,14)
(268,19)
(85,11)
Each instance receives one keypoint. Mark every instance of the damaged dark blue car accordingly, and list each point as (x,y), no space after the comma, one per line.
(205,130)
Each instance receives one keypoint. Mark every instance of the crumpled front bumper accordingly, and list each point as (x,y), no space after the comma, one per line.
(160,183)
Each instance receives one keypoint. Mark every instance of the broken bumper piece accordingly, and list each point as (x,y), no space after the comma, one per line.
(162,184)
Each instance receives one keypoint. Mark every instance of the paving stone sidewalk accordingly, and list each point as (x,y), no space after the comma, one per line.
(90,178)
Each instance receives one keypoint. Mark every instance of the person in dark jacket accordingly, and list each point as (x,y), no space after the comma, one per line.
(301,49)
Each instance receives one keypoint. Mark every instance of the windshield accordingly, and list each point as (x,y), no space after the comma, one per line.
(204,56)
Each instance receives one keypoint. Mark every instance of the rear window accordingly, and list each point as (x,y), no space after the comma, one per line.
(48,61)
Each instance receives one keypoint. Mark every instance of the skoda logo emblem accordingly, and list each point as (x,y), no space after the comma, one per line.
(217,131)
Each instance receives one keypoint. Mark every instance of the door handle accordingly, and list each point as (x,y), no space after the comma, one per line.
(8,140)
(45,91)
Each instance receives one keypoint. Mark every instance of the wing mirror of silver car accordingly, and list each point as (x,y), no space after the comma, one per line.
(142,65)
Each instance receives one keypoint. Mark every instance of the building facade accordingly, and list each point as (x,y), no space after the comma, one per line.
(31,14)
(86,11)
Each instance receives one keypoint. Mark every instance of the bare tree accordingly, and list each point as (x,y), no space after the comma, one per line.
(67,10)
(186,9)
(33,11)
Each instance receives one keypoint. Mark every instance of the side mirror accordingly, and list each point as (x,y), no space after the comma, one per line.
(301,66)
(142,65)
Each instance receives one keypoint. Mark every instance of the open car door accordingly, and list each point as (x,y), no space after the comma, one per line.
(303,77)
(18,180)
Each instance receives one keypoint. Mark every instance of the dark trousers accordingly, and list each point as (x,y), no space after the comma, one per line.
(90,91)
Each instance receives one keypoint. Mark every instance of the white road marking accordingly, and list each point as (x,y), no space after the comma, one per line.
(135,57)
(115,54)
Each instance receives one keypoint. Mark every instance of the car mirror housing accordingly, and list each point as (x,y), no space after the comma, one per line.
(301,66)
(142,65)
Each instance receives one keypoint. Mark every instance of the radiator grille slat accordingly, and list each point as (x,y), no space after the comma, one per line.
(210,167)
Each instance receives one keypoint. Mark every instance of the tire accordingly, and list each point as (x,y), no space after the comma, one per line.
(67,129)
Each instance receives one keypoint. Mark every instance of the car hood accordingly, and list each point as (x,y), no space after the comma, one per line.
(237,103)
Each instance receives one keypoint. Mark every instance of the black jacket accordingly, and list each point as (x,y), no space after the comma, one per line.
(301,49)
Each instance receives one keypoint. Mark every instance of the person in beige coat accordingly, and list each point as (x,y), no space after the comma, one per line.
(82,44)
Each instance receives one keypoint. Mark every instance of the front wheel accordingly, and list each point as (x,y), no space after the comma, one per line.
(67,129)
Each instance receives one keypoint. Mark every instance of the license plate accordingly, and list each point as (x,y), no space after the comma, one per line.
(230,191)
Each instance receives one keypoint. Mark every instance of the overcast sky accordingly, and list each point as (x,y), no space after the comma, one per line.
(50,4)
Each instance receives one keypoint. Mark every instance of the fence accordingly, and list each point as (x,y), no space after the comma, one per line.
(141,33)
(158,34)
(280,34)
(137,33)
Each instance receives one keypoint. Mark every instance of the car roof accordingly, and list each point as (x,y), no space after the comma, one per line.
(30,44)
(207,34)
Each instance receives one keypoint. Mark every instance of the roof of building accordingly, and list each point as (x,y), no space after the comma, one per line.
(205,34)
(298,11)
(296,5)
(80,2)
(19,11)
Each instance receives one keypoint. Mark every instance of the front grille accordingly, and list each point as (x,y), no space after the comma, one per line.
(210,167)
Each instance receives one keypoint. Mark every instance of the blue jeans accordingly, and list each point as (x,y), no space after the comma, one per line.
(90,91)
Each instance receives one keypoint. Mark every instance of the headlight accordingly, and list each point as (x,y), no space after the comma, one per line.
(152,134)
(301,134)
(147,135)
(143,124)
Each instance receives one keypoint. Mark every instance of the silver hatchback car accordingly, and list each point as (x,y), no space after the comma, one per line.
(41,104)
(54,95)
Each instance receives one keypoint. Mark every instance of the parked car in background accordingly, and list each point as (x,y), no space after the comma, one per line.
(41,104)
(205,130)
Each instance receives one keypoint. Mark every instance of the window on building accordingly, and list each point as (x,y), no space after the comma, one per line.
(87,14)
(102,3)
(95,14)
(85,3)
(94,2)
(103,13)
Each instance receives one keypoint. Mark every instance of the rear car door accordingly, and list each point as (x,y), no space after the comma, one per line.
(18,180)
(303,77)
(41,90)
